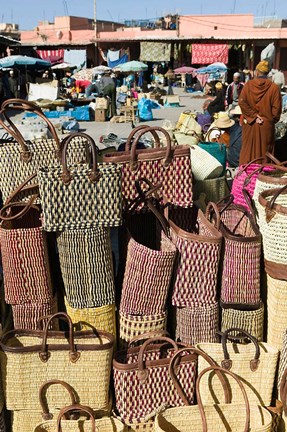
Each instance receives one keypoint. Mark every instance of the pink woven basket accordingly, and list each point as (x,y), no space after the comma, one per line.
(249,171)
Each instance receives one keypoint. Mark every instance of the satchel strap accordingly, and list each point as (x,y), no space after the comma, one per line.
(227,362)
(46,414)
(135,131)
(270,206)
(207,358)
(199,400)
(76,407)
(19,104)
(168,154)
(95,174)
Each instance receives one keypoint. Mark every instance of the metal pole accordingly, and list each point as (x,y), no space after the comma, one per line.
(95,30)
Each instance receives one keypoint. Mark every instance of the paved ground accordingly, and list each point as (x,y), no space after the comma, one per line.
(122,130)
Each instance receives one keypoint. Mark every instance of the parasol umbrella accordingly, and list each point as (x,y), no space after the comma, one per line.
(24,63)
(212,68)
(132,66)
(63,66)
(101,69)
(185,70)
(84,74)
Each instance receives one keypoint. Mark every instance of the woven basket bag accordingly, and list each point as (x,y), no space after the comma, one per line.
(169,165)
(246,177)
(131,326)
(215,418)
(275,178)
(250,362)
(277,311)
(197,324)
(198,243)
(213,189)
(77,196)
(252,321)
(216,149)
(26,315)
(102,318)
(203,164)
(19,159)
(142,381)
(24,249)
(283,359)
(241,254)
(272,220)
(150,271)
(105,424)
(86,264)
(32,357)
(283,398)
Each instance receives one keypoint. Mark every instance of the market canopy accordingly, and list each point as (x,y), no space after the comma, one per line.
(23,62)
(132,66)
(101,69)
(185,70)
(212,68)
(63,66)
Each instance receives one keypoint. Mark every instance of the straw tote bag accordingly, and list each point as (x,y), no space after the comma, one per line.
(211,189)
(254,363)
(24,250)
(150,270)
(142,381)
(216,149)
(198,243)
(216,418)
(241,254)
(78,196)
(169,165)
(86,264)
(203,164)
(277,312)
(283,360)
(283,398)
(272,220)
(26,420)
(104,424)
(19,159)
(275,178)
(33,357)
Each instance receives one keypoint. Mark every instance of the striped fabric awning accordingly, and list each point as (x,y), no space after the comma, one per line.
(53,56)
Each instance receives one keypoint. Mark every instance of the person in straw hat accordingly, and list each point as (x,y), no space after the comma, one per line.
(261,105)
(218,130)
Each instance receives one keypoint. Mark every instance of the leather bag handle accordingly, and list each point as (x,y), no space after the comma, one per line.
(94,175)
(44,354)
(19,104)
(212,207)
(168,154)
(45,409)
(135,131)
(209,360)
(270,206)
(76,407)
(227,362)
(143,372)
(207,136)
(199,400)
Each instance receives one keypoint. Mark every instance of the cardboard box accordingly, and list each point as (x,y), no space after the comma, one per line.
(101,103)
(100,115)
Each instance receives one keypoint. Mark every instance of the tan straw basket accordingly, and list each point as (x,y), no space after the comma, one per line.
(250,362)
(252,321)
(213,189)
(216,418)
(131,326)
(101,318)
(277,311)
(104,424)
(32,357)
(140,427)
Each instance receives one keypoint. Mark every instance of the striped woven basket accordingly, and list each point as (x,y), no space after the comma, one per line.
(243,361)
(131,326)
(269,180)
(283,360)
(197,324)
(272,220)
(147,426)
(198,243)
(27,315)
(30,364)
(87,268)
(252,321)
(101,318)
(277,311)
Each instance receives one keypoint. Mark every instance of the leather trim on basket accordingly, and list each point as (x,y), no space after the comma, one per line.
(146,154)
(276,270)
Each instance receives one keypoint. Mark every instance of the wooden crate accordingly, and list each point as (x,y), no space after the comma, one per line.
(100,115)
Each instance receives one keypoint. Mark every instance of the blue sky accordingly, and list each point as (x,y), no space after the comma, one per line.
(27,13)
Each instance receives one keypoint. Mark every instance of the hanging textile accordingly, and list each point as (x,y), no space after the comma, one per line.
(121,60)
(209,53)
(53,56)
(155,51)
(113,56)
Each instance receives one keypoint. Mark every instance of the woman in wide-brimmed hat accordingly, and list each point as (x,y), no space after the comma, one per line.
(218,130)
